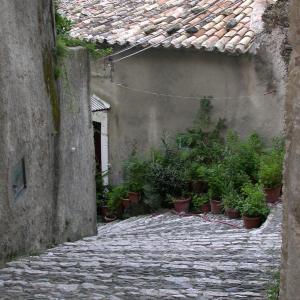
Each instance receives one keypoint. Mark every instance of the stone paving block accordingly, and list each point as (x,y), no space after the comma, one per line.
(150,258)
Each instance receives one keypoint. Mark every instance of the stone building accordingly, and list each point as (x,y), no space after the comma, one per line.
(290,272)
(173,53)
(47,187)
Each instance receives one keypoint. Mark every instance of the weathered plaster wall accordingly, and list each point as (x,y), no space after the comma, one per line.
(290,272)
(76,205)
(243,87)
(25,125)
(32,126)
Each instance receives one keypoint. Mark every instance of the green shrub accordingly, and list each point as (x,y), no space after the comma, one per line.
(254,204)
(115,197)
(270,172)
(199,200)
(274,288)
(135,173)
(232,199)
(216,181)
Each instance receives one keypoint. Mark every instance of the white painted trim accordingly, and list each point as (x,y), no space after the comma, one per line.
(102,117)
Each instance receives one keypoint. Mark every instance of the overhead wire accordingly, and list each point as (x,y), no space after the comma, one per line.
(184,97)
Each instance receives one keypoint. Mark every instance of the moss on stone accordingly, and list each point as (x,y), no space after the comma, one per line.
(49,78)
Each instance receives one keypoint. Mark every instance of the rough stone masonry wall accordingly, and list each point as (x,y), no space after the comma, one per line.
(33,126)
(76,205)
(290,272)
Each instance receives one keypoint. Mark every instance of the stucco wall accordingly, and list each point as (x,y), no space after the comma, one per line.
(25,126)
(290,272)
(30,128)
(76,204)
(244,90)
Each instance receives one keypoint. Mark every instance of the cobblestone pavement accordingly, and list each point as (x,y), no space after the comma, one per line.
(153,257)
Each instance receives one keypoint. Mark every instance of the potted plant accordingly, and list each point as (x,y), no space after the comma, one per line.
(201,203)
(232,202)
(115,198)
(196,174)
(270,175)
(216,182)
(181,203)
(254,208)
(135,172)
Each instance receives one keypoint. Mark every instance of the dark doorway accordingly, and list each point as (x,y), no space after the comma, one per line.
(97,141)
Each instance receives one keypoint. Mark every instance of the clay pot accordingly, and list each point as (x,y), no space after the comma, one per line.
(216,206)
(182,205)
(205,208)
(199,186)
(253,222)
(273,194)
(134,197)
(125,203)
(110,218)
(232,213)
(103,210)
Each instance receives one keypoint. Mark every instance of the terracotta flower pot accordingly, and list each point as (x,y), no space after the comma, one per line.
(182,205)
(205,208)
(232,213)
(253,222)
(104,210)
(125,203)
(134,197)
(110,218)
(216,207)
(199,186)
(273,194)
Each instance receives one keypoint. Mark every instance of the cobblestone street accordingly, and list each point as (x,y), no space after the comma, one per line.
(153,257)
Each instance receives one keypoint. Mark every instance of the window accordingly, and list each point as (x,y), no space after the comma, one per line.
(19,178)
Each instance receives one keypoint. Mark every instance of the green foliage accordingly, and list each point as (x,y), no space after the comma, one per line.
(254,204)
(216,181)
(64,40)
(241,159)
(115,197)
(203,143)
(270,173)
(135,173)
(231,198)
(199,200)
(274,288)
(152,197)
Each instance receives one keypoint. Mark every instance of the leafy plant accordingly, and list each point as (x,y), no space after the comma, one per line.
(115,197)
(216,181)
(274,288)
(232,199)
(199,200)
(254,204)
(63,28)
(270,172)
(135,173)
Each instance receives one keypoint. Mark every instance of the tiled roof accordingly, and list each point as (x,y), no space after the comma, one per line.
(98,105)
(213,25)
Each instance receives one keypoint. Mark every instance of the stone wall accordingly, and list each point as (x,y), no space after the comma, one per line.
(37,132)
(244,90)
(76,205)
(290,272)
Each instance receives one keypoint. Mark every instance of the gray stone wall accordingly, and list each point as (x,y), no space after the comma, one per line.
(26,129)
(243,87)
(76,205)
(290,272)
(34,128)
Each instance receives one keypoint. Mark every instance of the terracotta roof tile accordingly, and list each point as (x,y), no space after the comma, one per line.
(221,25)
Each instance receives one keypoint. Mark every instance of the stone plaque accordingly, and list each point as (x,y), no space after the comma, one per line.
(18,178)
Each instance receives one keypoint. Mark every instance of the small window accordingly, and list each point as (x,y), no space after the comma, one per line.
(19,178)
